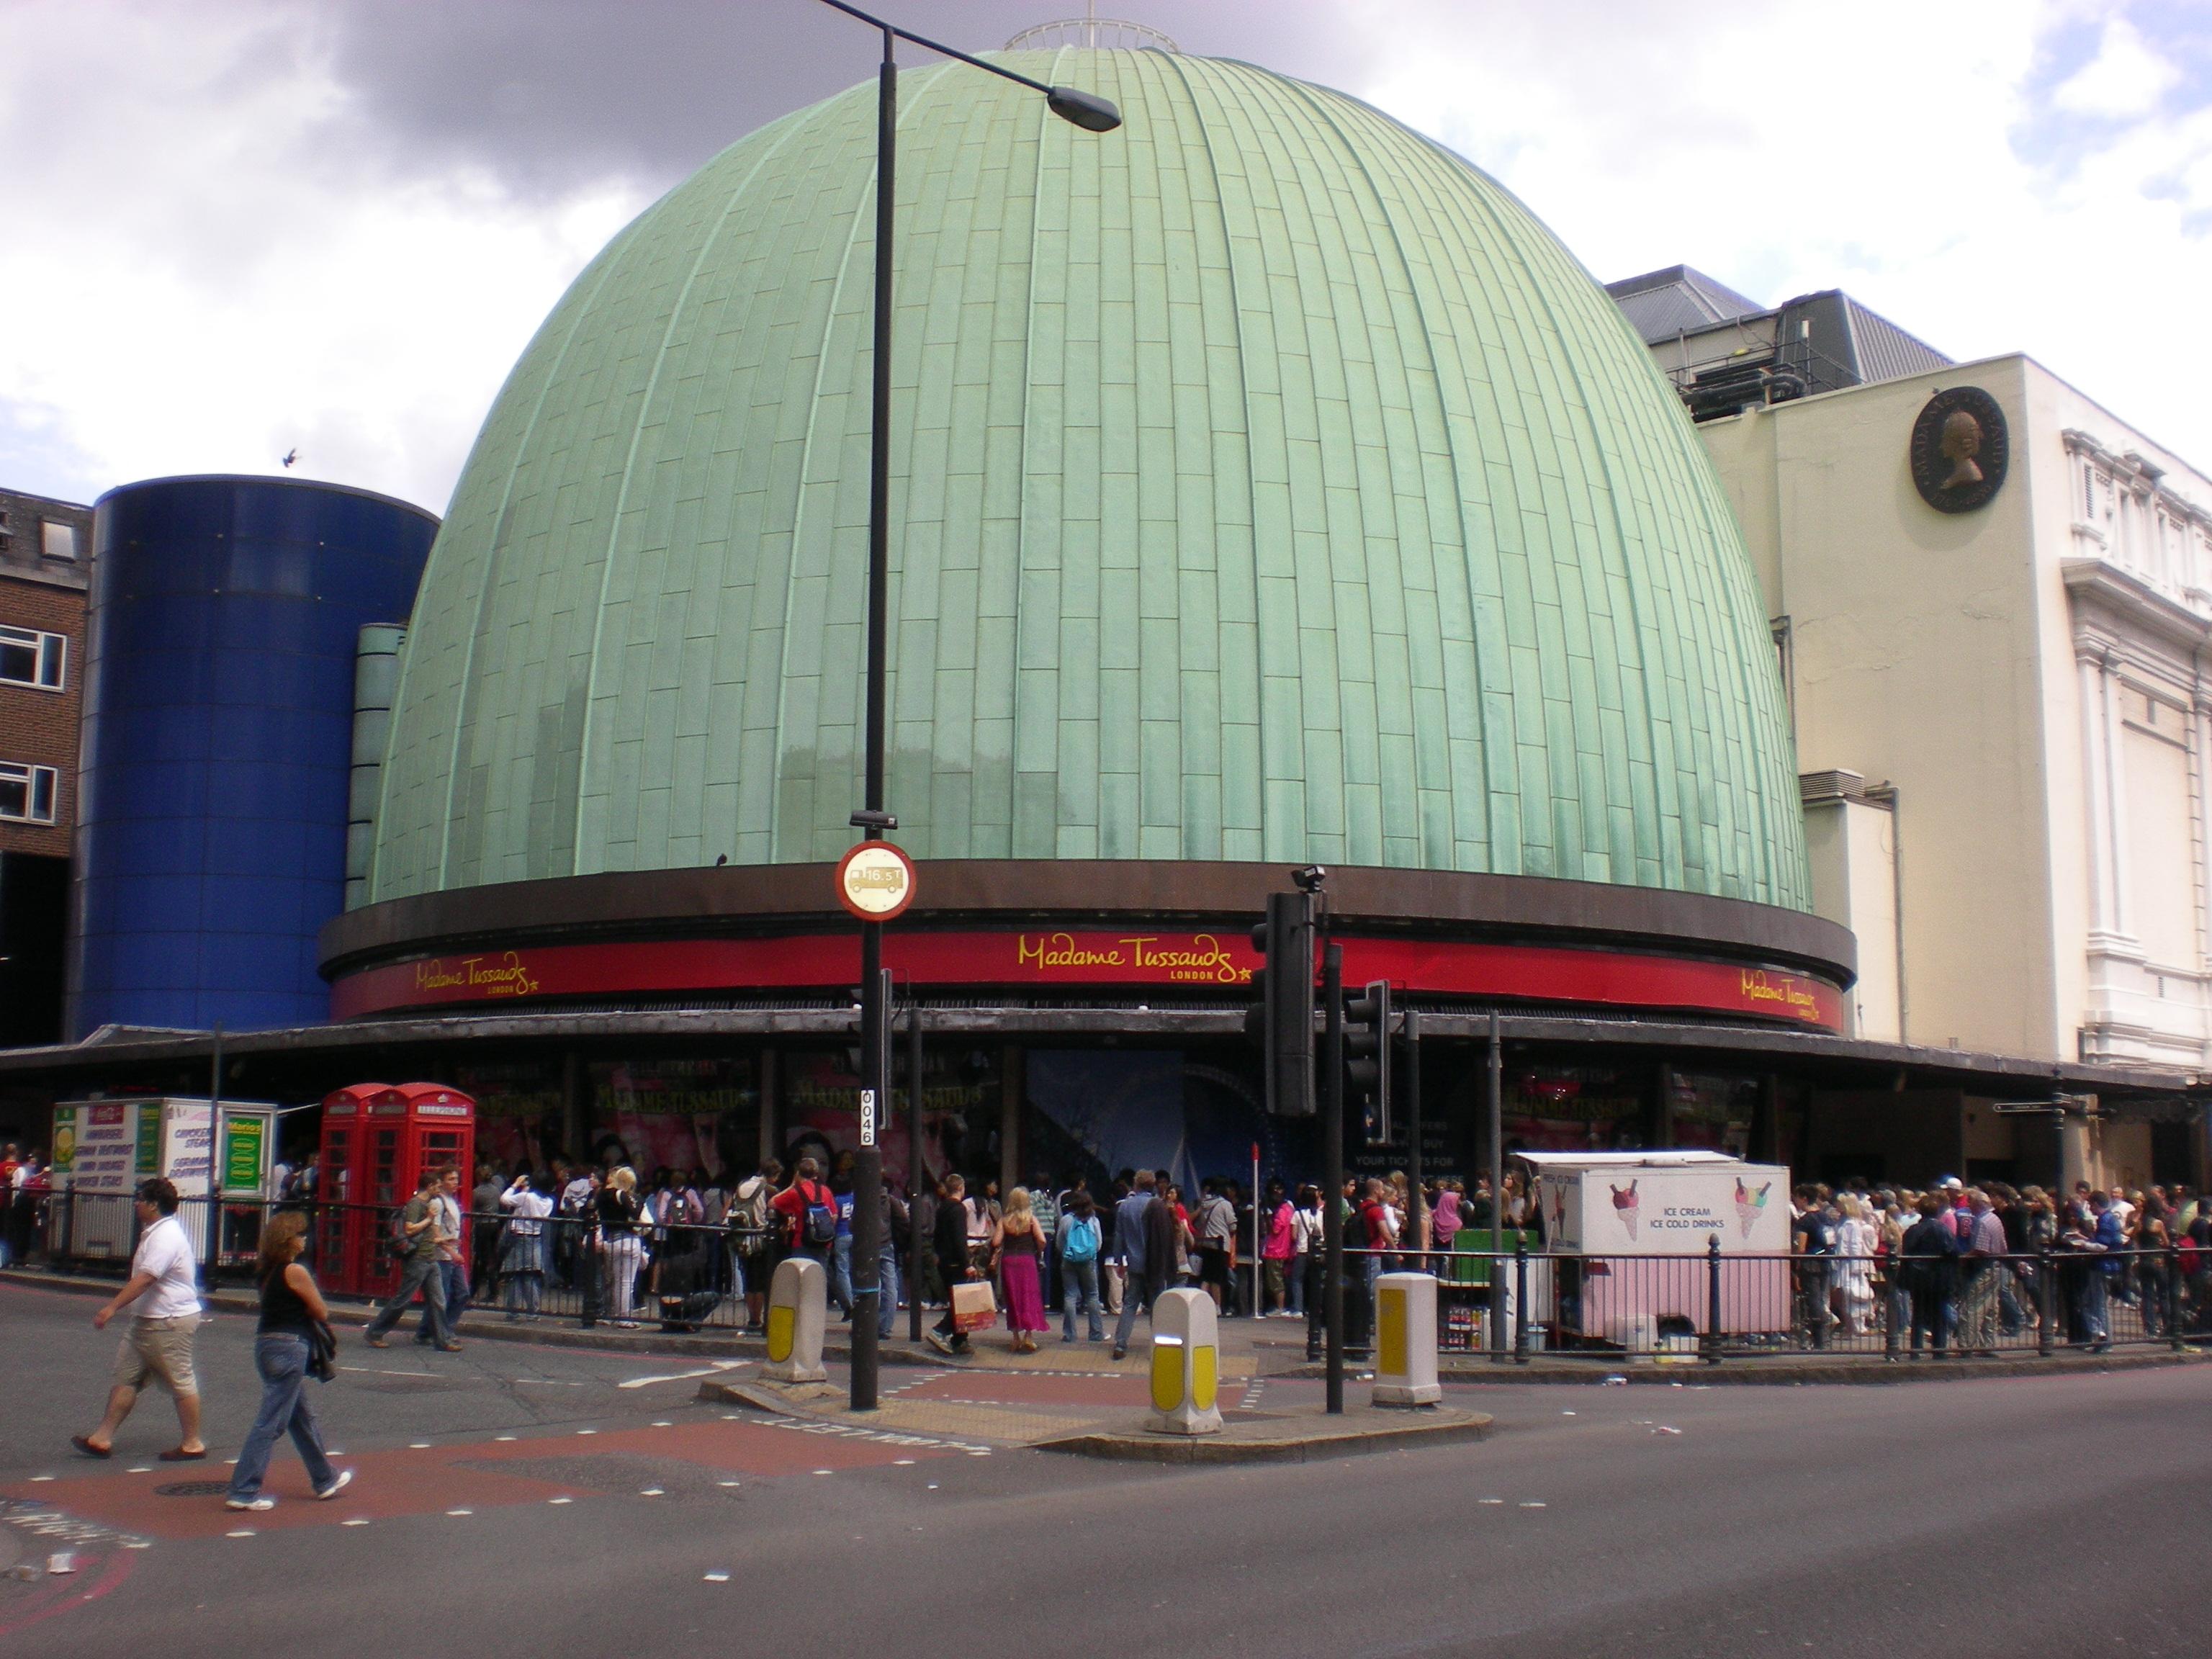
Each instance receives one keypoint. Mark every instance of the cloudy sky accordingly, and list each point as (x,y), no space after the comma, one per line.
(234,228)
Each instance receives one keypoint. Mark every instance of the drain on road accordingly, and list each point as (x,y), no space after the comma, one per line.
(192,1489)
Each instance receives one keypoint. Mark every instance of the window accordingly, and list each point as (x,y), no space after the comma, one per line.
(26,793)
(57,540)
(28,658)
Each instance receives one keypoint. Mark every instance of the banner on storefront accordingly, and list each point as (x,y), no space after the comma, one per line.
(1134,957)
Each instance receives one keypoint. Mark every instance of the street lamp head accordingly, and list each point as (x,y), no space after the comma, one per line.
(1084,109)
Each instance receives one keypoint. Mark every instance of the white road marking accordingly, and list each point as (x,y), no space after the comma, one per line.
(719,1367)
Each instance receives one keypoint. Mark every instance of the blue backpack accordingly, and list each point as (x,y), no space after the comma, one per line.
(1082,1241)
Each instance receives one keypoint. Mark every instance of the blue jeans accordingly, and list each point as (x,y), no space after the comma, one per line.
(1136,1295)
(455,1279)
(1079,1289)
(422,1275)
(282,1359)
(2096,1303)
(887,1287)
(841,1274)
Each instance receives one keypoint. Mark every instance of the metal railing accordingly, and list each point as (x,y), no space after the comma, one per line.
(1705,1308)
(682,1276)
(1688,1308)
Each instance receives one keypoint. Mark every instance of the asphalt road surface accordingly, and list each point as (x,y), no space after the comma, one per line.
(2058,1515)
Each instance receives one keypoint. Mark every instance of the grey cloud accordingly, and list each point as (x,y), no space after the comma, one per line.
(548,95)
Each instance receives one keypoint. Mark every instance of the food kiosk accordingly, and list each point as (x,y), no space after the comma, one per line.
(102,1149)
(1629,1234)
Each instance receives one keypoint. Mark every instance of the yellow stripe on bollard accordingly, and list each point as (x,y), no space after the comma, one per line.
(1167,1373)
(1390,1332)
(782,1321)
(1204,1380)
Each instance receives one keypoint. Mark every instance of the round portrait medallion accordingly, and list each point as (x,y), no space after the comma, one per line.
(1960,449)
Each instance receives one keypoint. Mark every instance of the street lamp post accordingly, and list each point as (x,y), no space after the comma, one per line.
(1092,114)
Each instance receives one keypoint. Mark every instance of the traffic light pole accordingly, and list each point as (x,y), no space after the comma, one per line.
(1332,1140)
(1496,1193)
(1417,1207)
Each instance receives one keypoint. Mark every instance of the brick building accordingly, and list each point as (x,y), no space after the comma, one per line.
(45,550)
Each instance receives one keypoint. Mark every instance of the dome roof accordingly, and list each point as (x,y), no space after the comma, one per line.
(1268,483)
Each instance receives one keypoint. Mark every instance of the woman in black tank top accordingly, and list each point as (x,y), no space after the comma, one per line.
(292,1313)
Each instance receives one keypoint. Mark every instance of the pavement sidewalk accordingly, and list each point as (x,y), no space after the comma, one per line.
(1249,1348)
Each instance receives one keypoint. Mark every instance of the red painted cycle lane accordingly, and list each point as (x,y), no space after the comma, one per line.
(450,1476)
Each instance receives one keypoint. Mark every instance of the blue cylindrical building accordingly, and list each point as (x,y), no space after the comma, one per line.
(218,723)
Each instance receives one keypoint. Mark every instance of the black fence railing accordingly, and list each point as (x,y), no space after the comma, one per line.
(1687,1309)
(1714,1306)
(683,1276)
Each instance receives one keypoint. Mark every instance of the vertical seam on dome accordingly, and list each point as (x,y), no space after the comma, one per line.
(622,494)
(1251,511)
(798,506)
(1637,597)
(484,594)
(1451,448)
(1022,509)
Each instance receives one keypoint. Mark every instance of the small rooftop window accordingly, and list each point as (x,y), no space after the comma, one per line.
(57,540)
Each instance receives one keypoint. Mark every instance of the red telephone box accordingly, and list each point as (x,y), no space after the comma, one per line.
(377,1141)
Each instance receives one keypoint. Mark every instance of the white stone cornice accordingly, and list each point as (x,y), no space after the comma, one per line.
(2129,599)
(2143,478)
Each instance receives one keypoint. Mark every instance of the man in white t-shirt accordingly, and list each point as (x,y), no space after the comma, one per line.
(159,1345)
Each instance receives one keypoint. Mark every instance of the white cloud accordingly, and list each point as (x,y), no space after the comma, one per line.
(1905,158)
(225,258)
(222,268)
(2124,80)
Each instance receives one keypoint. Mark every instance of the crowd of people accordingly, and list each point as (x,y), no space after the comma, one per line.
(25,1184)
(1960,1268)
(1954,1269)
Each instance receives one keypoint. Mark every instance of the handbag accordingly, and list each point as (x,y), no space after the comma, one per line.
(322,1351)
(975,1306)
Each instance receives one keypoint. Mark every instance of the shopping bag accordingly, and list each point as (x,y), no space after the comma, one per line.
(975,1308)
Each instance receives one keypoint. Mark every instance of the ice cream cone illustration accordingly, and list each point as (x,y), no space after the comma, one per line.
(1750,1205)
(1624,1206)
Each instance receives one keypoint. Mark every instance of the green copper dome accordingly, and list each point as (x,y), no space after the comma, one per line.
(1268,485)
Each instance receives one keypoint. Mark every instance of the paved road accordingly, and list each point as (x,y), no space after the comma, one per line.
(2026,1517)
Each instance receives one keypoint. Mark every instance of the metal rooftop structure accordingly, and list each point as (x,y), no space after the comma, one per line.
(1725,353)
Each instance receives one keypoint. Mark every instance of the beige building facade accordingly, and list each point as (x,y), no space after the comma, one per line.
(2003,715)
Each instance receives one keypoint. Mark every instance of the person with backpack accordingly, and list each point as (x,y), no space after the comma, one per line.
(754,1236)
(417,1229)
(809,1211)
(1078,1245)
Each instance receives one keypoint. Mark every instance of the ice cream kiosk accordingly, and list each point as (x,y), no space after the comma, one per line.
(377,1140)
(1611,1220)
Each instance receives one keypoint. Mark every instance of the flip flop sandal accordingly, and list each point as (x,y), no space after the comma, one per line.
(178,1454)
(88,1449)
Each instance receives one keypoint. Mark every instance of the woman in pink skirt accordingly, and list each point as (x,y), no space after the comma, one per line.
(1017,1246)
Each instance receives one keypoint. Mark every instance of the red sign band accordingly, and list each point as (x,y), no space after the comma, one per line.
(1221,961)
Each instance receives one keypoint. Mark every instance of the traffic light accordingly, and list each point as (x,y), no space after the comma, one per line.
(1367,1057)
(1280,1019)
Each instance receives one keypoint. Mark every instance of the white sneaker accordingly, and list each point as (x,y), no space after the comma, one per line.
(345,1479)
(249,1503)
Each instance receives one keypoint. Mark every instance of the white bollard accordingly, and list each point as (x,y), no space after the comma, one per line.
(798,1318)
(1186,1364)
(1406,1341)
